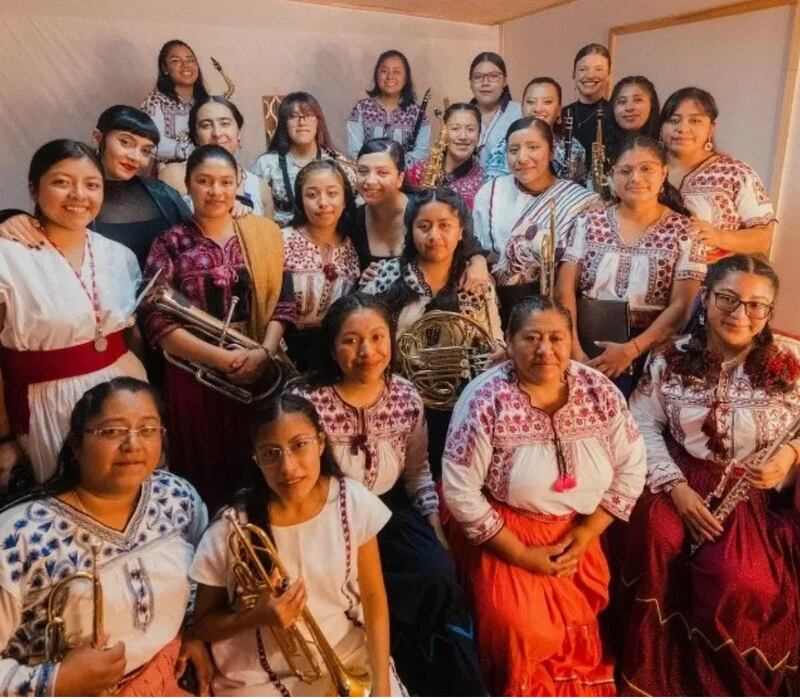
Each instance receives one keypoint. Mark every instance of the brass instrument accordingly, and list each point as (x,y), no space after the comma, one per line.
(740,490)
(432,175)
(599,157)
(55,642)
(230,88)
(569,126)
(440,353)
(211,329)
(247,544)
(547,257)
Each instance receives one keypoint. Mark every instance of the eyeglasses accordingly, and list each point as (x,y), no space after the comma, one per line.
(272,456)
(177,62)
(121,434)
(754,309)
(648,169)
(295,118)
(484,77)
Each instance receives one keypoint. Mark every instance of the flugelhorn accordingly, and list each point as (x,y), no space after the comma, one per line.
(218,332)
(55,641)
(250,547)
(440,353)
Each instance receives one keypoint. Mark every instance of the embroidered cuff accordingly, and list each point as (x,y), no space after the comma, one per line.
(286,312)
(618,504)
(426,501)
(661,473)
(481,530)
(690,274)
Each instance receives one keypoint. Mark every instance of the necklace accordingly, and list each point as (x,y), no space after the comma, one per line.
(100,342)
(591,116)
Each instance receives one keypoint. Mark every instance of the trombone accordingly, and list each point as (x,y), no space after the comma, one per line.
(250,546)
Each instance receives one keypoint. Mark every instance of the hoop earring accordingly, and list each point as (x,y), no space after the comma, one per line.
(709,146)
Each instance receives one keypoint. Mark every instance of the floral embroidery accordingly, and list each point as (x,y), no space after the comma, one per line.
(142,591)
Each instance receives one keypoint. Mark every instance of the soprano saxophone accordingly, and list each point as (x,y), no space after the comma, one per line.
(599,157)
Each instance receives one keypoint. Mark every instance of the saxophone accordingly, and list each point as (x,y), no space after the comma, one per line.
(547,258)
(230,87)
(434,166)
(599,157)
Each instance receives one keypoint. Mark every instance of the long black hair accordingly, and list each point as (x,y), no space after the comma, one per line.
(497,60)
(324,369)
(400,293)
(281,143)
(121,117)
(254,495)
(216,99)
(696,360)
(651,126)
(668,195)
(67,474)
(344,225)
(407,96)
(165,84)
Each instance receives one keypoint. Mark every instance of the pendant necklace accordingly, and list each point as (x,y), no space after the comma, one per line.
(100,341)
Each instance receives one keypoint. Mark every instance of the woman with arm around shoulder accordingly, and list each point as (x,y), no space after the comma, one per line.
(639,250)
(701,548)
(375,423)
(732,210)
(324,529)
(514,213)
(65,310)
(390,110)
(526,539)
(179,85)
(105,508)
(461,170)
(301,136)
(215,120)
(230,269)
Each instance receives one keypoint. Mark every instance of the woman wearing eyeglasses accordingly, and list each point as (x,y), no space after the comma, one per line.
(179,85)
(638,250)
(723,620)
(542,455)
(301,137)
(488,80)
(145,523)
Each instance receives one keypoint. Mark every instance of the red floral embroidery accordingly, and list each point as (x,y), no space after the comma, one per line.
(330,272)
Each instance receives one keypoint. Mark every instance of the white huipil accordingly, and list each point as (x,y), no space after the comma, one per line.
(44,307)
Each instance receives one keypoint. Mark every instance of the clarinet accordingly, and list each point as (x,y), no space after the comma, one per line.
(599,157)
(412,141)
(569,124)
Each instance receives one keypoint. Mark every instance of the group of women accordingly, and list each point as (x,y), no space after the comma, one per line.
(417,547)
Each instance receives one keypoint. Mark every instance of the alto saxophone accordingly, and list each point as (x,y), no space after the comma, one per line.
(230,87)
(247,544)
(599,157)
(434,166)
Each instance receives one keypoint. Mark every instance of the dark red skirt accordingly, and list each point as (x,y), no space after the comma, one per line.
(537,635)
(723,622)
(209,441)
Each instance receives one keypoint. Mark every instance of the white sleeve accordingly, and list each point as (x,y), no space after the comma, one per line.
(262,169)
(168,148)
(16,679)
(465,465)
(480,216)
(355,133)
(629,462)
(369,514)
(417,478)
(421,144)
(649,411)
(691,259)
(211,566)
(576,242)
(752,201)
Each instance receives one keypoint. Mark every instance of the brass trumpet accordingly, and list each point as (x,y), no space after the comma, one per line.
(247,544)
(211,329)
(547,258)
(55,642)
(442,352)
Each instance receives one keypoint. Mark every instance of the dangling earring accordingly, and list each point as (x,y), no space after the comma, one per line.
(709,146)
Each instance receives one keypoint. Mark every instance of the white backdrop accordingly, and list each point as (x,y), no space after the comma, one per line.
(62,62)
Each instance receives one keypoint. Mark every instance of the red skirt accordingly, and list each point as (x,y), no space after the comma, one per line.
(209,440)
(157,677)
(537,634)
(723,622)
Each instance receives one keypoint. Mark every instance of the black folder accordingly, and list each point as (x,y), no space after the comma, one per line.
(602,319)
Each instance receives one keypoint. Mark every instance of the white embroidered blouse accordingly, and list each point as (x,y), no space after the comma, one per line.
(383,442)
(667,402)
(499,446)
(642,273)
(144,572)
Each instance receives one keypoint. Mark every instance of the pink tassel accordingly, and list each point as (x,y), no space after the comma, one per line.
(564,482)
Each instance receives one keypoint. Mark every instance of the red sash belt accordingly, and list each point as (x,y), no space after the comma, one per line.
(23,368)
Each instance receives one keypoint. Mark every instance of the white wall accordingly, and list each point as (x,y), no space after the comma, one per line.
(545,43)
(63,61)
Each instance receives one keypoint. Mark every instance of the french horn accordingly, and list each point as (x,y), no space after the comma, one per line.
(441,353)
